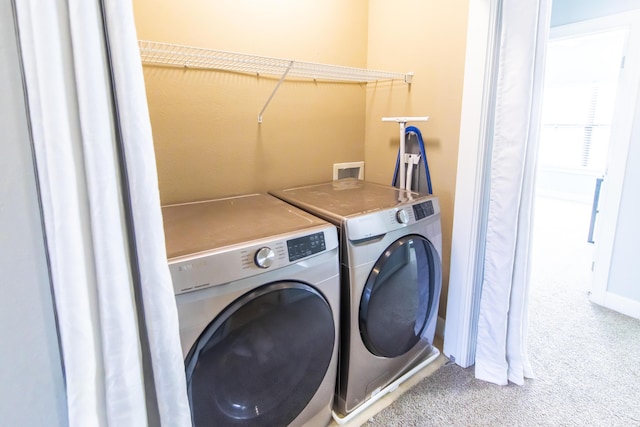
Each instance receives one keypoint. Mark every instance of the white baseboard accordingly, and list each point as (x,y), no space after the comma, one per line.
(621,304)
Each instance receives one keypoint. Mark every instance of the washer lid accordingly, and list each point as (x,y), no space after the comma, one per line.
(346,197)
(201,226)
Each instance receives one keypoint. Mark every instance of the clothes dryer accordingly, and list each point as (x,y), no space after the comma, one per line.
(257,290)
(391,245)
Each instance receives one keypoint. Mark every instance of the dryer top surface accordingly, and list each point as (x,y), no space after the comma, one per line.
(345,198)
(207,225)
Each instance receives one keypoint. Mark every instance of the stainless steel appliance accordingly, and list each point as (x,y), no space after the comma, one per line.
(390,254)
(257,290)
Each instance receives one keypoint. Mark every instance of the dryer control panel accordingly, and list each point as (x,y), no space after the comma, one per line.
(377,223)
(423,210)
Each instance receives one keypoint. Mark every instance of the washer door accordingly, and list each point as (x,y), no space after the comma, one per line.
(398,298)
(262,359)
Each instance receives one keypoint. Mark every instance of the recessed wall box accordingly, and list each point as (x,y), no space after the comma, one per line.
(348,170)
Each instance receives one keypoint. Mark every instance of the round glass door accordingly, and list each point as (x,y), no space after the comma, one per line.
(396,302)
(261,361)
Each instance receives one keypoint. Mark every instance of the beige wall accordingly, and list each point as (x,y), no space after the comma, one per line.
(206,134)
(429,39)
(207,139)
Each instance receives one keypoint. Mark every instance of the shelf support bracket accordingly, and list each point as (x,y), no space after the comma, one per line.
(284,75)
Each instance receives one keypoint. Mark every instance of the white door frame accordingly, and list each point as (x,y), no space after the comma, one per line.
(471,198)
(470,213)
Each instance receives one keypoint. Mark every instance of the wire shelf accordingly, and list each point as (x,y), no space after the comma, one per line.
(195,57)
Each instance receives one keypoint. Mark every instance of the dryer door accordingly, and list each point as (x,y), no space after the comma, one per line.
(400,297)
(261,361)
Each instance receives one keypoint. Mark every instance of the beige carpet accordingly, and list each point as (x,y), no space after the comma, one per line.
(586,358)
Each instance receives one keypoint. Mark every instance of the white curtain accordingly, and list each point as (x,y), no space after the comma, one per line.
(97,179)
(501,354)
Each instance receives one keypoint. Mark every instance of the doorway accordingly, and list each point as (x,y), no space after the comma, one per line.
(591,98)
(581,83)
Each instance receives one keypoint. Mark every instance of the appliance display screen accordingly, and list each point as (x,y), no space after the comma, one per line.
(304,246)
(423,210)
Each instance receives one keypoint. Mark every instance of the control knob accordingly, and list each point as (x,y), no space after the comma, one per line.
(402,217)
(264,257)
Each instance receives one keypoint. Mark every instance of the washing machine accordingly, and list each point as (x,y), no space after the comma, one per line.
(257,289)
(391,247)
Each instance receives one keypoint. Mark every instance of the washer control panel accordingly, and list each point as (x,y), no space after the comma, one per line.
(237,262)
(305,246)
(264,257)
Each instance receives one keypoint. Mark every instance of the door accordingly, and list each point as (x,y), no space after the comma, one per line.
(400,297)
(261,361)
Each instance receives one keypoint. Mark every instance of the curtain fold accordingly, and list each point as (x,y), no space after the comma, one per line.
(85,205)
(502,324)
(157,290)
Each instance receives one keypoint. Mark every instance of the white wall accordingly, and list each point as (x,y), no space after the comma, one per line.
(624,274)
(31,386)
(569,11)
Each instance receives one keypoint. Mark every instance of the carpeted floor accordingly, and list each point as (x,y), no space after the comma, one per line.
(586,358)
